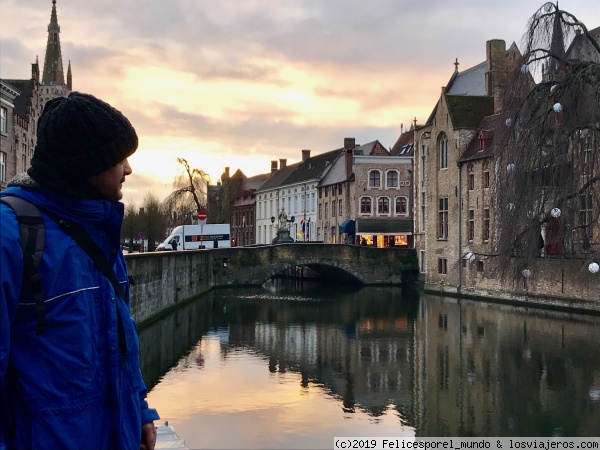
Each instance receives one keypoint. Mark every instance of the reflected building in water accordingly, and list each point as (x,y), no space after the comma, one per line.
(490,370)
(449,368)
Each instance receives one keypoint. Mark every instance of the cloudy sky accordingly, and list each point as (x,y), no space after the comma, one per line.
(239,83)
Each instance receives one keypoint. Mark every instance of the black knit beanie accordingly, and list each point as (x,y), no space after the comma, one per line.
(77,137)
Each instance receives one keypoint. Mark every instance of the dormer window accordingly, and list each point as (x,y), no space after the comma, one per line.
(481,141)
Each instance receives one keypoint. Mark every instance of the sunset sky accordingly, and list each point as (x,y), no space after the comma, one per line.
(241,83)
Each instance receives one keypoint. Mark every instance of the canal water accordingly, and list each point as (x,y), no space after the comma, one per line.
(294,365)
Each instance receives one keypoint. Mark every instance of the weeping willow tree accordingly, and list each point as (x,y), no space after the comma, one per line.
(190,194)
(548,157)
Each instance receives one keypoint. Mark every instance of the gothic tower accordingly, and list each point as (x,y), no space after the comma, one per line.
(53,77)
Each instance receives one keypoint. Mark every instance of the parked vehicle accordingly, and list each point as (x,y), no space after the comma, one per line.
(194,237)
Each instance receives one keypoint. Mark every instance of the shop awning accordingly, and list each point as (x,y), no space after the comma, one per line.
(385,226)
(347,226)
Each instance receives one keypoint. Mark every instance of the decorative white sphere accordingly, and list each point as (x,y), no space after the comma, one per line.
(526,273)
(593,267)
(555,212)
(510,168)
(524,68)
(557,107)
(508,122)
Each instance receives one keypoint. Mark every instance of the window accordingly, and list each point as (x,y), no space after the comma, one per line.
(442,265)
(365,205)
(326,191)
(471,225)
(340,189)
(374,178)
(585,220)
(392,178)
(443,218)
(2,166)
(471,181)
(401,205)
(321,193)
(333,190)
(312,202)
(486,179)
(443,145)
(479,266)
(325,209)
(320,212)
(3,120)
(383,205)
(333,211)
(423,264)
(486,224)
(340,207)
(295,204)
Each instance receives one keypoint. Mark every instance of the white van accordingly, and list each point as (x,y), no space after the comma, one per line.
(193,237)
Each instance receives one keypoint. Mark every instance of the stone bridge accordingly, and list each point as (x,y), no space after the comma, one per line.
(346,263)
(163,280)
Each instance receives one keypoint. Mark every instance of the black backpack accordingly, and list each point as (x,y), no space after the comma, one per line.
(31,225)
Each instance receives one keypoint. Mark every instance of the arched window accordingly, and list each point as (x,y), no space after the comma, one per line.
(365,205)
(401,205)
(392,179)
(383,205)
(443,151)
(374,178)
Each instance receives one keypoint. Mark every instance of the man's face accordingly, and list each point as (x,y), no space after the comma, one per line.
(110,182)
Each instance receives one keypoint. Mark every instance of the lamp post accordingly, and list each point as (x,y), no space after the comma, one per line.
(272,224)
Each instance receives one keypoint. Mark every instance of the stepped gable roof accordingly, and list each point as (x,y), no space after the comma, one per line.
(279,177)
(468,82)
(404,146)
(487,131)
(21,102)
(314,168)
(468,111)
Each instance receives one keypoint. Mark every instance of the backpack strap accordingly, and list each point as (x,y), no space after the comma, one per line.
(92,249)
(31,225)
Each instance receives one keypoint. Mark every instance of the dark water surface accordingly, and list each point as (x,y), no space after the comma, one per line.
(293,366)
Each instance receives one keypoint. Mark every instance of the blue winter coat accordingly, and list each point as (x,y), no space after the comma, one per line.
(71,387)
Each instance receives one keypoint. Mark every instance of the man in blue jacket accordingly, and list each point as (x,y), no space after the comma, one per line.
(76,385)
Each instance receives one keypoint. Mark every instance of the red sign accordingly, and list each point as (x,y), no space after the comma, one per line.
(201,215)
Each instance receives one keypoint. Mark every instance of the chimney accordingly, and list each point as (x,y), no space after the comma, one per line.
(495,71)
(273,166)
(305,155)
(348,161)
(282,163)
(349,143)
(227,172)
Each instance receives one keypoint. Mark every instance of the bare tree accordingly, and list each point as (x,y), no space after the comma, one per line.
(190,194)
(548,153)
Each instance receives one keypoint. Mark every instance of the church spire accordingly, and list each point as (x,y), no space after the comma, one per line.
(53,67)
(557,45)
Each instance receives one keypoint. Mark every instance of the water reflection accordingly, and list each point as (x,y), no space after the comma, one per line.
(296,365)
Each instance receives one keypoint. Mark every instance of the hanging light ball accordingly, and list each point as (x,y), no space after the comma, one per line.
(524,68)
(557,107)
(555,212)
(526,273)
(510,168)
(593,267)
(508,122)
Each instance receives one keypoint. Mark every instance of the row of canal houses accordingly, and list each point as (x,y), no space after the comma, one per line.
(434,191)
